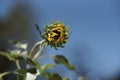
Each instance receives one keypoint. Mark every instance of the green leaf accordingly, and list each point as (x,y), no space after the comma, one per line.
(21,74)
(47,66)
(70,66)
(66,79)
(60,59)
(8,55)
(12,57)
(1,78)
(82,78)
(52,76)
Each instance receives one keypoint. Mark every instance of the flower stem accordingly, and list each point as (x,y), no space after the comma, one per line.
(39,44)
(39,52)
(34,47)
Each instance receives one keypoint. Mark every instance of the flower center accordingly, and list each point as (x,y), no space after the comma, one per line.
(56,37)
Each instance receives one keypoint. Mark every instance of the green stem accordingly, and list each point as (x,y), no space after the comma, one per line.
(34,47)
(18,64)
(39,52)
(39,44)
(5,73)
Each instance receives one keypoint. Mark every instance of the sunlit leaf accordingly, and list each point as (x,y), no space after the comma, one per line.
(47,66)
(32,74)
(8,55)
(26,74)
(1,78)
(12,57)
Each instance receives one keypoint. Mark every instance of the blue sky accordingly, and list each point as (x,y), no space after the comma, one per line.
(94,43)
(95,27)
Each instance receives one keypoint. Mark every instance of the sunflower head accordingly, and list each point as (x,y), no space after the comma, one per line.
(55,34)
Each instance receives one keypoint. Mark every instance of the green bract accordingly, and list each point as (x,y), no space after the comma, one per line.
(55,34)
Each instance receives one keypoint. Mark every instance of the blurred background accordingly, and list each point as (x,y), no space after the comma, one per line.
(94,44)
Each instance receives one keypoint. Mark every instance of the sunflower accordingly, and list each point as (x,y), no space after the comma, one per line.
(55,34)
